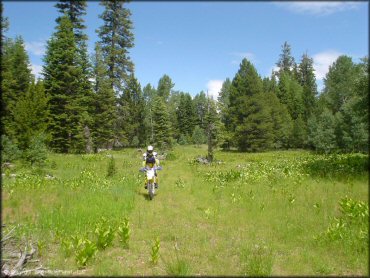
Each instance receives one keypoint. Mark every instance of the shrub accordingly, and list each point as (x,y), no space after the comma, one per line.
(111,170)
(182,140)
(37,151)
(9,150)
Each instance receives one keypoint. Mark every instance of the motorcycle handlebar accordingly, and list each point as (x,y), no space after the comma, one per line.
(156,168)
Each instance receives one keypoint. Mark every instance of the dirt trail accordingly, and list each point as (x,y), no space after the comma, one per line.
(156,218)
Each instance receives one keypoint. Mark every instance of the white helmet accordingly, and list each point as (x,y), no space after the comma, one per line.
(150,149)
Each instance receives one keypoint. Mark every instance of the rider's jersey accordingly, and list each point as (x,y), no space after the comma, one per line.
(150,161)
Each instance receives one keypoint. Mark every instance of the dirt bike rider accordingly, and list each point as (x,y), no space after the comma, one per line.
(150,159)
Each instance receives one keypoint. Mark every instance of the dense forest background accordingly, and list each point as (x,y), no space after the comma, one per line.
(83,104)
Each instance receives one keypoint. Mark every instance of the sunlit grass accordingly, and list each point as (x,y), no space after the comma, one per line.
(208,218)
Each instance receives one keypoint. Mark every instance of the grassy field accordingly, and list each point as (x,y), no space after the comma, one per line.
(273,213)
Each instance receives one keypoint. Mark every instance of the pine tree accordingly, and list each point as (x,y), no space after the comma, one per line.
(286,62)
(161,123)
(16,79)
(31,115)
(131,108)
(290,93)
(185,116)
(307,80)
(250,123)
(105,104)
(322,131)
(69,100)
(165,86)
(282,123)
(173,106)
(200,105)
(149,93)
(299,133)
(20,68)
(116,39)
(4,23)
(224,101)
(223,105)
(198,136)
(75,10)
(213,127)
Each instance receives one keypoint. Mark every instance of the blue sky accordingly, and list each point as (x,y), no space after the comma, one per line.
(200,44)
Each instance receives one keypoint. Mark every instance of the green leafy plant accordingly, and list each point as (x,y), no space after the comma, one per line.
(256,260)
(351,227)
(40,247)
(180,183)
(67,247)
(104,233)
(85,250)
(124,232)
(155,251)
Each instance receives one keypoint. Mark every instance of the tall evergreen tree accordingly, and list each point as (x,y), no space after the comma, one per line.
(75,10)
(173,106)
(31,115)
(224,100)
(149,93)
(4,23)
(223,106)
(16,79)
(165,86)
(213,124)
(290,93)
(69,100)
(200,105)
(185,116)
(161,123)
(307,80)
(131,111)
(105,104)
(286,61)
(282,123)
(116,39)
(250,123)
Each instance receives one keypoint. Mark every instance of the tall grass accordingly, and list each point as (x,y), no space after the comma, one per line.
(272,213)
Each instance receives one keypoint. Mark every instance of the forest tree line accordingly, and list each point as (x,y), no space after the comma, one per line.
(85,103)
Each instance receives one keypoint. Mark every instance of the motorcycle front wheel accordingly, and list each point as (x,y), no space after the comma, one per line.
(151,191)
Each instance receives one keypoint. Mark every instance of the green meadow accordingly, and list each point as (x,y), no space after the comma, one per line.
(260,214)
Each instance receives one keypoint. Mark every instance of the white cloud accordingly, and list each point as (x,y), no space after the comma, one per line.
(214,88)
(36,70)
(319,8)
(270,70)
(322,61)
(36,47)
(241,55)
